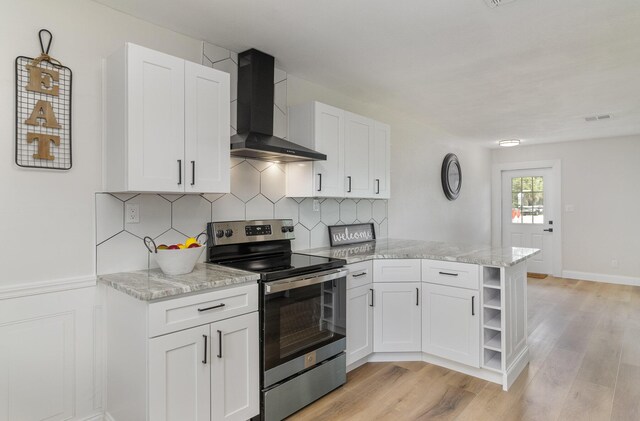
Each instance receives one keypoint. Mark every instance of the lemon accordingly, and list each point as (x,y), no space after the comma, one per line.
(182,246)
(190,241)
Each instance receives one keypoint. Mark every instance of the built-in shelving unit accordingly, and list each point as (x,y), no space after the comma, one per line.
(492,319)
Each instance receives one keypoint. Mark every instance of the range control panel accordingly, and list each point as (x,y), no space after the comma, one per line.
(237,232)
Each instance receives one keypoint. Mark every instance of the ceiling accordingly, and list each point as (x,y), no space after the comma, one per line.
(531,69)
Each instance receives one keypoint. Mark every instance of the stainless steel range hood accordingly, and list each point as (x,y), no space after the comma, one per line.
(255,139)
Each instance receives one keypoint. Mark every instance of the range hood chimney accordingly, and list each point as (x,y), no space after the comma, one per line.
(255,139)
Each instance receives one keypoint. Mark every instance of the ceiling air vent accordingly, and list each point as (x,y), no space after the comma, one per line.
(597,117)
(496,3)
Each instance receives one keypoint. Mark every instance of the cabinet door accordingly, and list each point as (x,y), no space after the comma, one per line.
(328,176)
(155,92)
(451,323)
(235,369)
(359,323)
(358,155)
(382,161)
(396,317)
(207,134)
(179,376)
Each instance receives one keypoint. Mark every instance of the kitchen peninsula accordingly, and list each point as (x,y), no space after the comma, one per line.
(463,307)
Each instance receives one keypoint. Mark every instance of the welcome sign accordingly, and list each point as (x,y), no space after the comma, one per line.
(351,234)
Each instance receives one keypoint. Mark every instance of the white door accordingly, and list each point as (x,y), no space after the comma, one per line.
(526,215)
(207,134)
(358,155)
(328,175)
(382,161)
(451,323)
(179,376)
(397,317)
(359,322)
(235,368)
(156,121)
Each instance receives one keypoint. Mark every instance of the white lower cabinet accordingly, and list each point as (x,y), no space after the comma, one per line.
(235,371)
(206,373)
(451,323)
(397,317)
(189,358)
(359,323)
(179,378)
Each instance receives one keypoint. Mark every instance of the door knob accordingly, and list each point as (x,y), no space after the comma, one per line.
(548,230)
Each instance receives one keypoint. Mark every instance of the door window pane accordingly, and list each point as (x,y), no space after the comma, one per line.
(527,200)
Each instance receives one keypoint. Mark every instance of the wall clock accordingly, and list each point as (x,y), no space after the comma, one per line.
(451,176)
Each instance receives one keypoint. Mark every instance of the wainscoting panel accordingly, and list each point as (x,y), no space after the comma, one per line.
(51,353)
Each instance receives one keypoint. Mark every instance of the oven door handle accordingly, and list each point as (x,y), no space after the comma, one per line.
(303,281)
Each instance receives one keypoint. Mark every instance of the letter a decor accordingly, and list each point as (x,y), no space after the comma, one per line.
(43,111)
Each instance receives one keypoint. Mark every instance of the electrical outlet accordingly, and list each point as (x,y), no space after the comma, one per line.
(132,213)
(614,263)
(316,205)
(569,208)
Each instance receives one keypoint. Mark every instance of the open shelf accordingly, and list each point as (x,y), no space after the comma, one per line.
(492,360)
(490,275)
(491,283)
(493,323)
(492,340)
(492,298)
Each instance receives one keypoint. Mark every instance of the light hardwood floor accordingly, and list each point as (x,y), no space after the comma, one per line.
(584,344)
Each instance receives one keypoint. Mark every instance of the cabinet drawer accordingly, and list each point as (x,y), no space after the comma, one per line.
(182,313)
(396,270)
(461,275)
(360,274)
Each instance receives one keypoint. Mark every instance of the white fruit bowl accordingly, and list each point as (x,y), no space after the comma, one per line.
(178,262)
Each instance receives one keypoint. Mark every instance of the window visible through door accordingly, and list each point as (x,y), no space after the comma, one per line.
(527,200)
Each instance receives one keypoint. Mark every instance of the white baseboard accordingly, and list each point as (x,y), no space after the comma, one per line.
(108,417)
(44,287)
(601,277)
(516,368)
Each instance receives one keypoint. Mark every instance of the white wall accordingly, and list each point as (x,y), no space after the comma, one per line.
(600,178)
(418,208)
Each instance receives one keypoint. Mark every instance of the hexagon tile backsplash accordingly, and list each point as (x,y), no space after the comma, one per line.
(257,192)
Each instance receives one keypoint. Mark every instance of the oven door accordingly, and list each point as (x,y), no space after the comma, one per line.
(303,321)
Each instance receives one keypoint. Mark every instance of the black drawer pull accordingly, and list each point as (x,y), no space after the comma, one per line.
(319,182)
(219,344)
(417,296)
(205,349)
(211,308)
(448,273)
(371,305)
(473,306)
(357,275)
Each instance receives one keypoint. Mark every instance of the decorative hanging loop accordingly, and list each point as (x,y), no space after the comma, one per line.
(43,110)
(44,53)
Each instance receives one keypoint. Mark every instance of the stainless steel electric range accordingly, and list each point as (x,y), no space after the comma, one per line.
(302,311)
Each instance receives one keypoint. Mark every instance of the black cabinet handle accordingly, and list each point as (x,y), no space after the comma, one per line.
(548,230)
(417,296)
(448,273)
(193,173)
(179,171)
(319,182)
(357,275)
(371,289)
(349,178)
(205,349)
(211,308)
(377,186)
(219,344)
(473,306)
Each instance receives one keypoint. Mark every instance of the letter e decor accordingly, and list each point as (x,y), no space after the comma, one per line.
(43,111)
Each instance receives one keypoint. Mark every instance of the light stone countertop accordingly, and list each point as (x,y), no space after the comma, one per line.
(152,284)
(416,249)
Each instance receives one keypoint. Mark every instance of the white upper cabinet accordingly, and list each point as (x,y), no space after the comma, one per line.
(167,124)
(206,147)
(348,140)
(358,155)
(382,161)
(319,127)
